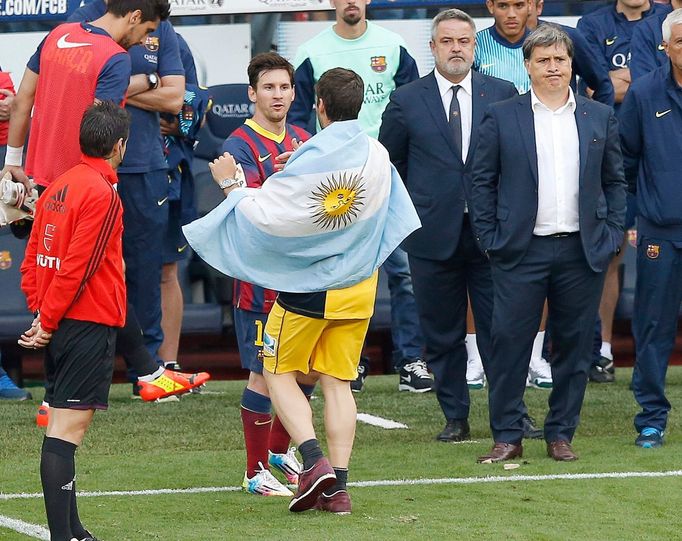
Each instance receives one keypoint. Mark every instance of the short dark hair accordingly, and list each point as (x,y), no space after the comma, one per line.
(152,10)
(102,126)
(545,35)
(449,15)
(342,92)
(267,62)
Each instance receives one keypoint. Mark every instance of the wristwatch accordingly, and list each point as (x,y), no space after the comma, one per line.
(152,80)
(228,183)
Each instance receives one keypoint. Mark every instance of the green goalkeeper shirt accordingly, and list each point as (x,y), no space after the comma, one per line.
(378,56)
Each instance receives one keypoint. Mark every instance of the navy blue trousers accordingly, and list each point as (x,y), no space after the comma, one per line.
(658,292)
(554,269)
(440,289)
(145,218)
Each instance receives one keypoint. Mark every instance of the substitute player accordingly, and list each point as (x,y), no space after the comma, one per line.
(76,64)
(609,30)
(73,280)
(256,146)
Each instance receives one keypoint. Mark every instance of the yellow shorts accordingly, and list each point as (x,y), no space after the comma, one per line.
(293,342)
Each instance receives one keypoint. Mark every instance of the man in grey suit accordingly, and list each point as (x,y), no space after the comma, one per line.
(548,204)
(430,129)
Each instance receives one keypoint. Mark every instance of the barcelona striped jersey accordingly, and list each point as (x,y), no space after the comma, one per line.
(256,148)
(496,56)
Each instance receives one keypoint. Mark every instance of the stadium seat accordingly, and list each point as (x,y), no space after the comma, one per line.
(14,315)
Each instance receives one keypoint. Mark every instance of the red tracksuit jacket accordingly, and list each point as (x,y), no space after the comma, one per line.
(73,266)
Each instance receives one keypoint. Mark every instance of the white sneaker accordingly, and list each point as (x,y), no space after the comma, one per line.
(539,374)
(265,484)
(475,374)
(287,463)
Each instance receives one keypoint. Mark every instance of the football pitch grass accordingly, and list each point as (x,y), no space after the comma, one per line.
(198,443)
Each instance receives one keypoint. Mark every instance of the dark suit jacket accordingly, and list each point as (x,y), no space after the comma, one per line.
(415,131)
(504,196)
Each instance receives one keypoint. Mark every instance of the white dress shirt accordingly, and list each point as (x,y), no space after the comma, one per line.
(464,98)
(558,150)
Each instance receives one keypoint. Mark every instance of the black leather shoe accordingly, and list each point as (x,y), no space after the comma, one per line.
(455,430)
(530,430)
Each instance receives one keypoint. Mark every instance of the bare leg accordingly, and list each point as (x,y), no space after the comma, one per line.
(340,416)
(171,310)
(257,384)
(609,297)
(69,425)
(543,321)
(471,327)
(291,405)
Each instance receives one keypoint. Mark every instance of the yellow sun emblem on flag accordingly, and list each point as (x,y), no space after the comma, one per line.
(337,201)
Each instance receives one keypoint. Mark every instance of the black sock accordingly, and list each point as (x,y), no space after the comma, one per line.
(77,529)
(341,480)
(57,471)
(311,453)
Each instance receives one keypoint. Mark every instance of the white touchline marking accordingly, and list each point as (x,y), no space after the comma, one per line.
(380,483)
(512,478)
(31,530)
(379,421)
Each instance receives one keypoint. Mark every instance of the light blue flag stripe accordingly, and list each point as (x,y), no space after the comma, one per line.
(229,241)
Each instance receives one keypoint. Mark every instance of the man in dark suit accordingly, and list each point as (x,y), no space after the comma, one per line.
(548,205)
(430,135)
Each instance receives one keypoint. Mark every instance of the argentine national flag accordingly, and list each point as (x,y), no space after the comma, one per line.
(328,221)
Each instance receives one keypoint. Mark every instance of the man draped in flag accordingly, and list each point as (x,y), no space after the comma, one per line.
(317,233)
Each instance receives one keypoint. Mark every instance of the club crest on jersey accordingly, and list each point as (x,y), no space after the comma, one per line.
(653,251)
(378,64)
(48,236)
(5,260)
(152,43)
